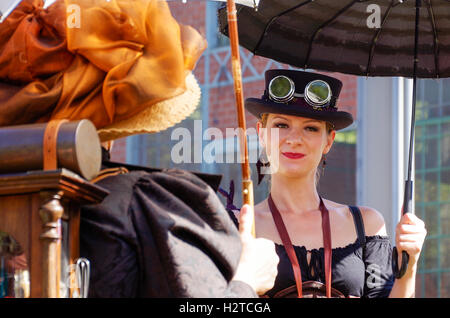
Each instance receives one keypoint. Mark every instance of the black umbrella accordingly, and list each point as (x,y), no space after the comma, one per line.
(368,38)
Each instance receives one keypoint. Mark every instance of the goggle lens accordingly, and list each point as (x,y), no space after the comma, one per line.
(281,88)
(318,92)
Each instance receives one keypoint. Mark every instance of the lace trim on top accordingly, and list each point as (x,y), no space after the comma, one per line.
(314,270)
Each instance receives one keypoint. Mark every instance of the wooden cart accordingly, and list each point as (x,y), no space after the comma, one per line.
(41,211)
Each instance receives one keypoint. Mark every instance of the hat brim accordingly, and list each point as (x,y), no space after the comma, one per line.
(157,117)
(258,107)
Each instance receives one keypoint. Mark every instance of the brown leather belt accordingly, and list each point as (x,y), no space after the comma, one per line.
(326,232)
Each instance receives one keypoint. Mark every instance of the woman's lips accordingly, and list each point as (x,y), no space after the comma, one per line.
(293,155)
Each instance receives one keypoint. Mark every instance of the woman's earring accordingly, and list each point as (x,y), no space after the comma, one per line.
(263,161)
(324,163)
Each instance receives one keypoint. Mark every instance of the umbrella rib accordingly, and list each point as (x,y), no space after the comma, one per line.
(305,64)
(272,20)
(376,36)
(435,39)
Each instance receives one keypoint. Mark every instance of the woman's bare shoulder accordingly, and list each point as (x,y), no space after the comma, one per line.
(373,220)
(336,207)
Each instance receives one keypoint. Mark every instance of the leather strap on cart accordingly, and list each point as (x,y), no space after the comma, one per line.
(50,160)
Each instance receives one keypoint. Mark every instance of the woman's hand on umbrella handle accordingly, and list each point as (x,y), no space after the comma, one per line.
(259,261)
(409,237)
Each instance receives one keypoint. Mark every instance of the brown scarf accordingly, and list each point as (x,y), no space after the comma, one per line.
(117,58)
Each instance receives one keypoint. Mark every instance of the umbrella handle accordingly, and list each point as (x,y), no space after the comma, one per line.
(399,272)
(247,193)
(247,185)
(407,207)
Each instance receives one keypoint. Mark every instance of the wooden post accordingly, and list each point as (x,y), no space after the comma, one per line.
(50,212)
(33,206)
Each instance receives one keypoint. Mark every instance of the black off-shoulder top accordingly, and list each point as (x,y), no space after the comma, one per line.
(362,268)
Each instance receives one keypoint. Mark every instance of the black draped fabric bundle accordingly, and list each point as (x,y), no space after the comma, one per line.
(161,233)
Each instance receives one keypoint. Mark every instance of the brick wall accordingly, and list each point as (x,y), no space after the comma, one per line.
(192,13)
(119,150)
(222,109)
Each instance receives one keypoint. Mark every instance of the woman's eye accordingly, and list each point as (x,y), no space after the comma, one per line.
(281,125)
(312,128)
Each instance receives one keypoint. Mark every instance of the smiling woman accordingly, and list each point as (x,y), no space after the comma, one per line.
(287,123)
(326,249)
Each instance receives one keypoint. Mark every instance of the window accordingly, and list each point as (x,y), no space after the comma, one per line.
(432,185)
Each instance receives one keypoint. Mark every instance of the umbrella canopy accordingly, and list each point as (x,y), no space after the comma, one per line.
(369,38)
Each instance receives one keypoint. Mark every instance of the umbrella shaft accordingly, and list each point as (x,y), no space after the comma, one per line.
(407,199)
(412,130)
(237,76)
(247,185)
(414,97)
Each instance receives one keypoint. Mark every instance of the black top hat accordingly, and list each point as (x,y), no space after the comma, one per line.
(303,94)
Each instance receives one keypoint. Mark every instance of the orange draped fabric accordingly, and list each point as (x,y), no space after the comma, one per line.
(95,59)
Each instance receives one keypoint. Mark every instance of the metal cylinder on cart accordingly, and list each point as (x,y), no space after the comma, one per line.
(78,148)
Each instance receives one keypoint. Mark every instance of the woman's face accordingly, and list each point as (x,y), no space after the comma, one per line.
(300,146)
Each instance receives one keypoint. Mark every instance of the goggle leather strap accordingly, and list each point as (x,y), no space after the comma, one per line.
(326,232)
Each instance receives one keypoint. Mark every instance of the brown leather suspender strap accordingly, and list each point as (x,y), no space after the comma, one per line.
(326,232)
(49,144)
(287,245)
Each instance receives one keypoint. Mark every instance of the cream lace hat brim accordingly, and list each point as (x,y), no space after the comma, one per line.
(157,117)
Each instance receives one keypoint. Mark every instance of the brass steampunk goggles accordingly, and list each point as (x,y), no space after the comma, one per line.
(317,93)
